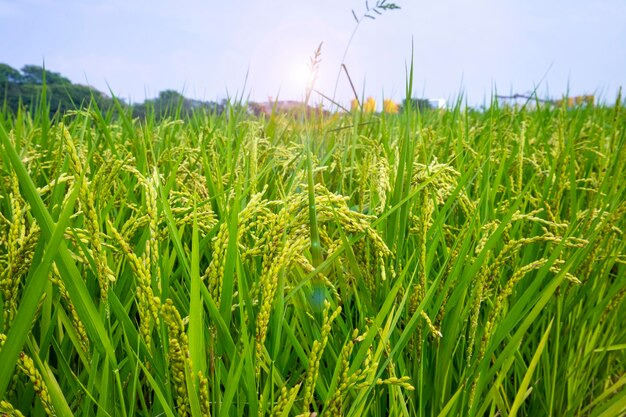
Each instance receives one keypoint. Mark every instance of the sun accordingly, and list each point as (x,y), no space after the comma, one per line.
(299,74)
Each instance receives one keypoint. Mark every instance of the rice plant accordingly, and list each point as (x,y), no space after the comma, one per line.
(471,263)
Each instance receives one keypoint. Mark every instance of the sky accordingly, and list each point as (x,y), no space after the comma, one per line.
(260,50)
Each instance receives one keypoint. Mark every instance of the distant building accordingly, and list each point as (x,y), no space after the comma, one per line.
(423,104)
(437,103)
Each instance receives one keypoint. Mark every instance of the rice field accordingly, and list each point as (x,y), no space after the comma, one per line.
(445,263)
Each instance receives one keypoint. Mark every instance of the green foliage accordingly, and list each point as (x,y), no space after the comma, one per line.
(171,103)
(34,74)
(471,263)
(420,104)
(25,90)
(9,74)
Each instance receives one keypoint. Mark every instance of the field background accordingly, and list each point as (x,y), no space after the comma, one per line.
(444,263)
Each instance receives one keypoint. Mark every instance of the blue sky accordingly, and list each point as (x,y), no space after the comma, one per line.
(207,49)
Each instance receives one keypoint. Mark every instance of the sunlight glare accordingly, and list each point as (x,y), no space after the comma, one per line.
(299,73)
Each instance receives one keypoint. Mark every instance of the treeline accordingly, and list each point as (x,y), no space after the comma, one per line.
(173,103)
(24,89)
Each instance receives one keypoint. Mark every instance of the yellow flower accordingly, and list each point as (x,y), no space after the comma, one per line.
(389,106)
(370,105)
(354,105)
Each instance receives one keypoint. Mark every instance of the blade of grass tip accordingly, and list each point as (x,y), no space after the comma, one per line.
(196,320)
(122,114)
(401,180)
(521,392)
(44,110)
(104,127)
(70,274)
(29,302)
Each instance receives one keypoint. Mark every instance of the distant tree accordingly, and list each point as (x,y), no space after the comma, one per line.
(420,104)
(9,74)
(72,96)
(171,102)
(33,74)
(25,89)
(168,96)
